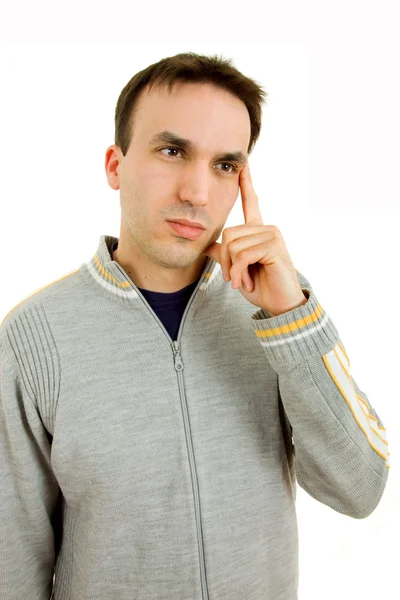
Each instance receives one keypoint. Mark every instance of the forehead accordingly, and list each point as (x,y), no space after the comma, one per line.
(200,112)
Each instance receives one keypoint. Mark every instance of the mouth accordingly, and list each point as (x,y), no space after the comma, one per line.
(187,223)
(186,231)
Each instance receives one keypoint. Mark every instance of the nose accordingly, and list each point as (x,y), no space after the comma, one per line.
(193,186)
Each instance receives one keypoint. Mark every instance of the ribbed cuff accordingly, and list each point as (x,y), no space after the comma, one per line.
(301,334)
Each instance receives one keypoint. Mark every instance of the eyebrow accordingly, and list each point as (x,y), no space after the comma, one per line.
(168,137)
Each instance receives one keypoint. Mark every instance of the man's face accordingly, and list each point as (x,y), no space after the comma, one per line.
(158,183)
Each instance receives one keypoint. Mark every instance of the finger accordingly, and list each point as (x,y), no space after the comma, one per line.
(251,208)
(236,234)
(239,244)
(249,257)
(247,282)
(226,261)
(242,279)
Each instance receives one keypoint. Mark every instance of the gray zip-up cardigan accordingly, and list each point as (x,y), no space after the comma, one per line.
(134,466)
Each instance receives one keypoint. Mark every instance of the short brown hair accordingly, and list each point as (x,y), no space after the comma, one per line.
(188,67)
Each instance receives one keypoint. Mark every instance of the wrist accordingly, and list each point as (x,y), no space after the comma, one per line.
(301,301)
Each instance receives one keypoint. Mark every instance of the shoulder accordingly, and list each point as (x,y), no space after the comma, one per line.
(52,291)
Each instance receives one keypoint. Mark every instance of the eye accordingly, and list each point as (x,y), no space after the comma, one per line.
(170,148)
(234,167)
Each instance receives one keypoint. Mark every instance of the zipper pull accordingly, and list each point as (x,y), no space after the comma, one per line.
(177,357)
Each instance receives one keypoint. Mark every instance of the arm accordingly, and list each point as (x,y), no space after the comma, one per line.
(340,444)
(29,491)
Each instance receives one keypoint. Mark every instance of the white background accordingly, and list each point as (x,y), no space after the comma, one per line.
(326,171)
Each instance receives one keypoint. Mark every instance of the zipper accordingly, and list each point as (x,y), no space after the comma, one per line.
(179,367)
(195,484)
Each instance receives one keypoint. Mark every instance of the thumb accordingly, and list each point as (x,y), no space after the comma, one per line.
(213,251)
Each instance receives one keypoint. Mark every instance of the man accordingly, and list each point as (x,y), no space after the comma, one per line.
(154,416)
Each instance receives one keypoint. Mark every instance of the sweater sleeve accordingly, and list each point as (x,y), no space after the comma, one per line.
(29,491)
(339,441)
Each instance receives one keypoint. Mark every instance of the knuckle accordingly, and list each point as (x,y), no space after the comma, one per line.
(226,235)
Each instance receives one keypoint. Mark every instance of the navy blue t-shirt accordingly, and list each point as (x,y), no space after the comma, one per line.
(169,307)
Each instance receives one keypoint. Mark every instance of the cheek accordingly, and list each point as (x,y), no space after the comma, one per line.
(228,198)
(155,181)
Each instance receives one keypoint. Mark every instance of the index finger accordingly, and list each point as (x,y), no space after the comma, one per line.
(251,208)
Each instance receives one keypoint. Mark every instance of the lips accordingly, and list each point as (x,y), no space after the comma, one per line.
(191,233)
(187,223)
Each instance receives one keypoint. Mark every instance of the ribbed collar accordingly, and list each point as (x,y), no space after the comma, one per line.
(111,277)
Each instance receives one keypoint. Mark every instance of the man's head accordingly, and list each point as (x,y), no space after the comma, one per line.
(161,179)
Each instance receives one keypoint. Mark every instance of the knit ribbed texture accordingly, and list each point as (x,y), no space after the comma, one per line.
(139,468)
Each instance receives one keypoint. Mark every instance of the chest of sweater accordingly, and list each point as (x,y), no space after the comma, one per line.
(128,421)
(172,459)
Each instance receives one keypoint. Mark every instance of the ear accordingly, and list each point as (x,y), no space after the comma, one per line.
(112,165)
